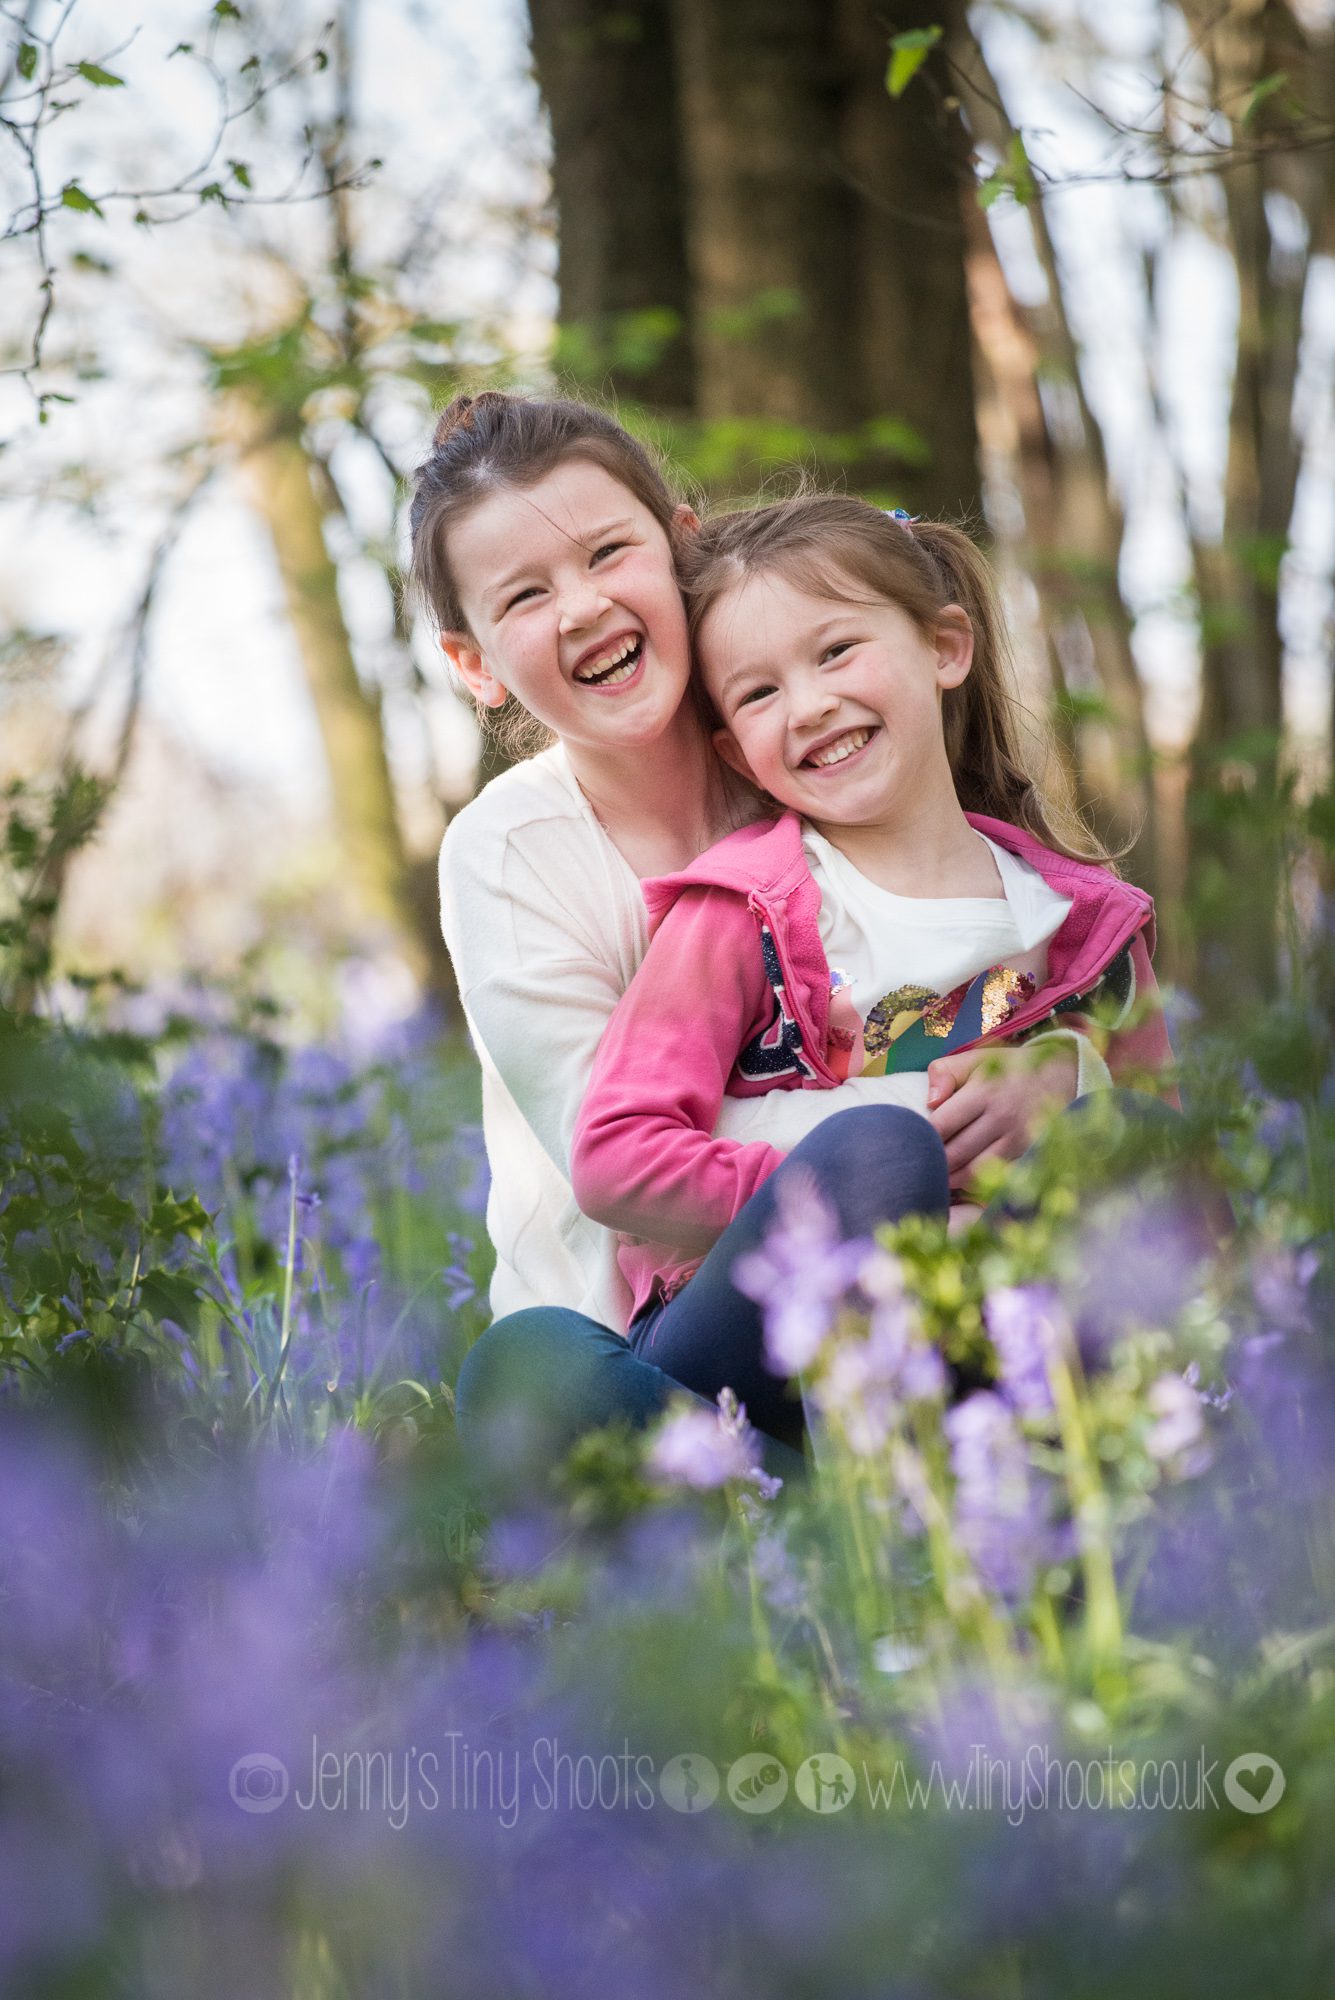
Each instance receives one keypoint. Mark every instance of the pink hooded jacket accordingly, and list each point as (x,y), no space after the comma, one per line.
(733,998)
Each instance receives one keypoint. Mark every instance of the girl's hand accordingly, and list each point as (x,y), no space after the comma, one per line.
(986,1103)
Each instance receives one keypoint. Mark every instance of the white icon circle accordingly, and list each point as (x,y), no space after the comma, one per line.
(1252,1796)
(258,1783)
(825,1782)
(689,1783)
(757,1782)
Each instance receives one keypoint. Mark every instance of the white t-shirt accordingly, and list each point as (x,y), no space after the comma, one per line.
(902,968)
(546,925)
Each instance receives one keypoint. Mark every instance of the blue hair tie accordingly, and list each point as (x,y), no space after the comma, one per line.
(902,514)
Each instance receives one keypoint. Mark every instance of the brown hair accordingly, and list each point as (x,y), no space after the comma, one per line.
(823,543)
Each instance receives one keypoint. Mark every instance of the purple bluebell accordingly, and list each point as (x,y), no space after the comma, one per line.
(1028,1327)
(800,1275)
(1002,1513)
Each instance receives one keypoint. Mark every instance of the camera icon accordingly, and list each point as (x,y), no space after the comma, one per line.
(258,1783)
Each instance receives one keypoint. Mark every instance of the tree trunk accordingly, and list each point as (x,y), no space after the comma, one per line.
(378,874)
(905,160)
(1073,523)
(606,72)
(1235,832)
(769,217)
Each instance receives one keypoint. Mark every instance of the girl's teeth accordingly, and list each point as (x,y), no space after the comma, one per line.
(837,753)
(626,657)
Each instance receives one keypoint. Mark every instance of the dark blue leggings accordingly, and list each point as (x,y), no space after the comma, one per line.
(536,1379)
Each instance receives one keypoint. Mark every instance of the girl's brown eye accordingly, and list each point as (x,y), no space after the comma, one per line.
(608,549)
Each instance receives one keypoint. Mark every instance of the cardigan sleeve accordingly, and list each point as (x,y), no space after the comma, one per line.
(539,960)
(645,1160)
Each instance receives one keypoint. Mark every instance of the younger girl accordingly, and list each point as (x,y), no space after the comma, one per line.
(914,902)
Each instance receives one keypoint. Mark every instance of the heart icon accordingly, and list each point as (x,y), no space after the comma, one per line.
(1254,1782)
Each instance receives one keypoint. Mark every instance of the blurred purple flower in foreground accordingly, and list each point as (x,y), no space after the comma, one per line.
(1002,1516)
(1176,1439)
(801,1273)
(1028,1327)
(866,1382)
(703,1448)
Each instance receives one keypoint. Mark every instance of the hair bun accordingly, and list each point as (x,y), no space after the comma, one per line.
(465,411)
(452,418)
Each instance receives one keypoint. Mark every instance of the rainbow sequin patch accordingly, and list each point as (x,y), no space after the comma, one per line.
(911,1026)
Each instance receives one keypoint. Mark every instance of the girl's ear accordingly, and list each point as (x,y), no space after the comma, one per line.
(685,520)
(725,743)
(462,653)
(954,646)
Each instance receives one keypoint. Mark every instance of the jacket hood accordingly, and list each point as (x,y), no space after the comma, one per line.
(767,860)
(765,864)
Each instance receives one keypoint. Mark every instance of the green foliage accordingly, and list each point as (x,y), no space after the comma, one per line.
(908,52)
(103,79)
(1263,92)
(95,1254)
(738,454)
(628,344)
(73,196)
(42,828)
(1012,176)
(27,60)
(747,320)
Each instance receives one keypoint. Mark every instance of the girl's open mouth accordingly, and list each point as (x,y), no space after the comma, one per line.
(841,750)
(622,666)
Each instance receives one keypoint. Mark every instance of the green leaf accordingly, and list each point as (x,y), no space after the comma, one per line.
(182,49)
(251,62)
(908,53)
(1263,91)
(73,196)
(103,78)
(170,1217)
(224,11)
(213,192)
(27,59)
(1014,176)
(1021,173)
(241,172)
(1321,818)
(167,1295)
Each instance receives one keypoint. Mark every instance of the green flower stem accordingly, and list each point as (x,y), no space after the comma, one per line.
(965,1601)
(289,1267)
(767,1666)
(1103,1611)
(1048,1633)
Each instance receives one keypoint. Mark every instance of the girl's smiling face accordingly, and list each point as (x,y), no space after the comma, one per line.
(832,706)
(573,606)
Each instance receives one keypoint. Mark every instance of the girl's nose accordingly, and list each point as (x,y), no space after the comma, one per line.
(582,604)
(810,701)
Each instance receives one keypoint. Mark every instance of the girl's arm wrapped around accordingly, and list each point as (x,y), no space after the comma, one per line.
(645,1161)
